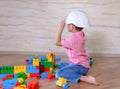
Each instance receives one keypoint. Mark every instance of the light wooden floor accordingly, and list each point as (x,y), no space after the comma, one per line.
(105,69)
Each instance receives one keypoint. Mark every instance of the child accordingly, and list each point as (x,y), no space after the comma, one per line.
(78,65)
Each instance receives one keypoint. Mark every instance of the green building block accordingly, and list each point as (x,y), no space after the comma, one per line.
(36,57)
(7,70)
(22,83)
(55,65)
(53,71)
(47,64)
(0,70)
(21,75)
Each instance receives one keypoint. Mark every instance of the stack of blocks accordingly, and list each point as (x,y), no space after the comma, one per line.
(13,77)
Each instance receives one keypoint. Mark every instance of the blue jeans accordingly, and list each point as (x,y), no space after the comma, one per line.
(72,72)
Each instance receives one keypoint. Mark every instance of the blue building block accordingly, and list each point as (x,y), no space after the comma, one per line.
(43,58)
(10,83)
(57,59)
(44,75)
(30,60)
(32,69)
(65,86)
(15,75)
(2,76)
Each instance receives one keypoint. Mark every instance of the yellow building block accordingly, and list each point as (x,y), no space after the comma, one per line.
(61,81)
(20,79)
(36,62)
(51,69)
(28,75)
(50,57)
(20,87)
(18,69)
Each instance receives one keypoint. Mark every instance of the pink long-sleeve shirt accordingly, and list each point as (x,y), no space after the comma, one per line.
(75,48)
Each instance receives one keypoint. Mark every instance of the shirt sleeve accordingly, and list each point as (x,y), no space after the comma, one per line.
(67,43)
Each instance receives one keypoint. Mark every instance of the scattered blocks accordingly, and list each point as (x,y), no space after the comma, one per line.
(14,76)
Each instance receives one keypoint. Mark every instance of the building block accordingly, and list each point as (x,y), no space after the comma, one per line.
(32,69)
(17,84)
(36,57)
(20,80)
(7,70)
(33,85)
(10,76)
(30,61)
(47,64)
(61,81)
(18,69)
(65,86)
(35,75)
(44,75)
(91,61)
(20,87)
(50,57)
(55,65)
(9,83)
(46,70)
(21,75)
(41,68)
(51,76)
(1,87)
(57,59)
(43,58)
(2,76)
(35,62)
(53,71)
(28,75)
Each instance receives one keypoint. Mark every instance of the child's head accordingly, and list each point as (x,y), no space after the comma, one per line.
(77,20)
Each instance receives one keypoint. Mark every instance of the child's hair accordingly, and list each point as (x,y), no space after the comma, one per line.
(79,28)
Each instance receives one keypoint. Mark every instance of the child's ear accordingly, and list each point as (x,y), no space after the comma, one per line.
(73,26)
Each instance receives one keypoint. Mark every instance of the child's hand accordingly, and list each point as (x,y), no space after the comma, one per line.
(62,25)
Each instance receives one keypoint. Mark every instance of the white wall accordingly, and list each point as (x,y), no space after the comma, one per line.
(31,25)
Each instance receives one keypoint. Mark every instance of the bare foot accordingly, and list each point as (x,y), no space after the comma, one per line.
(89,79)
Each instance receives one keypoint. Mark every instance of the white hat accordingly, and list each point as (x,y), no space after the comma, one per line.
(78,18)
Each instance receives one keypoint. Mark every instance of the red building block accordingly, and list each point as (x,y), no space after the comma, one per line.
(41,69)
(51,76)
(8,77)
(35,75)
(1,87)
(46,69)
(17,84)
(33,85)
(26,60)
(37,67)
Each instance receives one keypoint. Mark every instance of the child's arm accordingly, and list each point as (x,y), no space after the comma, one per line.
(59,35)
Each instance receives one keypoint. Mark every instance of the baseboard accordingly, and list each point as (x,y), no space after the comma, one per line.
(57,53)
